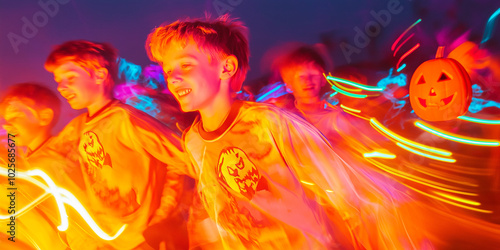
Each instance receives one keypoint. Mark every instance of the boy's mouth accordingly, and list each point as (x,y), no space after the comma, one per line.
(183,92)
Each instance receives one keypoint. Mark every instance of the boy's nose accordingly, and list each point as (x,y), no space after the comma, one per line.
(308,78)
(174,77)
(61,87)
(62,90)
(173,82)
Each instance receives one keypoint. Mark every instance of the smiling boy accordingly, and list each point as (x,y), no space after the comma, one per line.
(260,169)
(123,152)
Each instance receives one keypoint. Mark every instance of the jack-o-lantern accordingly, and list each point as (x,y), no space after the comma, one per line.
(440,89)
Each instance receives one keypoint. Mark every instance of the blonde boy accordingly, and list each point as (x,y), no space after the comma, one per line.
(123,152)
(259,168)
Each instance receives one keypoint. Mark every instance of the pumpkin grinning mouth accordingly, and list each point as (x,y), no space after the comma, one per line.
(444,102)
(447,99)
(423,102)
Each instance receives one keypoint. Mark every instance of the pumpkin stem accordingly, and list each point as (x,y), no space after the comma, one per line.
(440,52)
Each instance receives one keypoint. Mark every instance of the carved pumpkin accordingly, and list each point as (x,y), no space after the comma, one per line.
(440,89)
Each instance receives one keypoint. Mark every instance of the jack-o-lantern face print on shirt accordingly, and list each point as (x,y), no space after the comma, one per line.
(440,90)
(237,171)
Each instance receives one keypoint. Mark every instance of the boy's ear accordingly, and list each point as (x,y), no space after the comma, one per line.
(101,74)
(229,67)
(45,116)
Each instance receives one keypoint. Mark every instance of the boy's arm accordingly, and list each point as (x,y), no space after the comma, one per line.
(175,186)
(171,194)
(66,141)
(360,195)
(164,145)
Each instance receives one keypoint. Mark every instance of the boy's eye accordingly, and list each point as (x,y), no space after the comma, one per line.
(186,66)
(316,77)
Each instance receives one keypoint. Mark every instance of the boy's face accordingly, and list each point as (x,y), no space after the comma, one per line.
(22,120)
(304,80)
(76,85)
(192,78)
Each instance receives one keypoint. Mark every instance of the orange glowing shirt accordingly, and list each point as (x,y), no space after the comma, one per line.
(248,186)
(124,154)
(326,120)
(353,134)
(266,177)
(329,120)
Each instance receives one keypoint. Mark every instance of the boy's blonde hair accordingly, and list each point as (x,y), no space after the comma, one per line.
(88,55)
(218,38)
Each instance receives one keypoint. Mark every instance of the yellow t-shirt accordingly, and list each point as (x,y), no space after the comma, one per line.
(124,155)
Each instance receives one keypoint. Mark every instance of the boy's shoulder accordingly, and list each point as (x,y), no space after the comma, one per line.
(116,113)
(263,113)
(121,112)
(262,109)
(128,112)
(114,108)
(269,112)
(125,113)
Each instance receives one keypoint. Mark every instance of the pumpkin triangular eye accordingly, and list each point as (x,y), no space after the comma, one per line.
(444,77)
(421,80)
